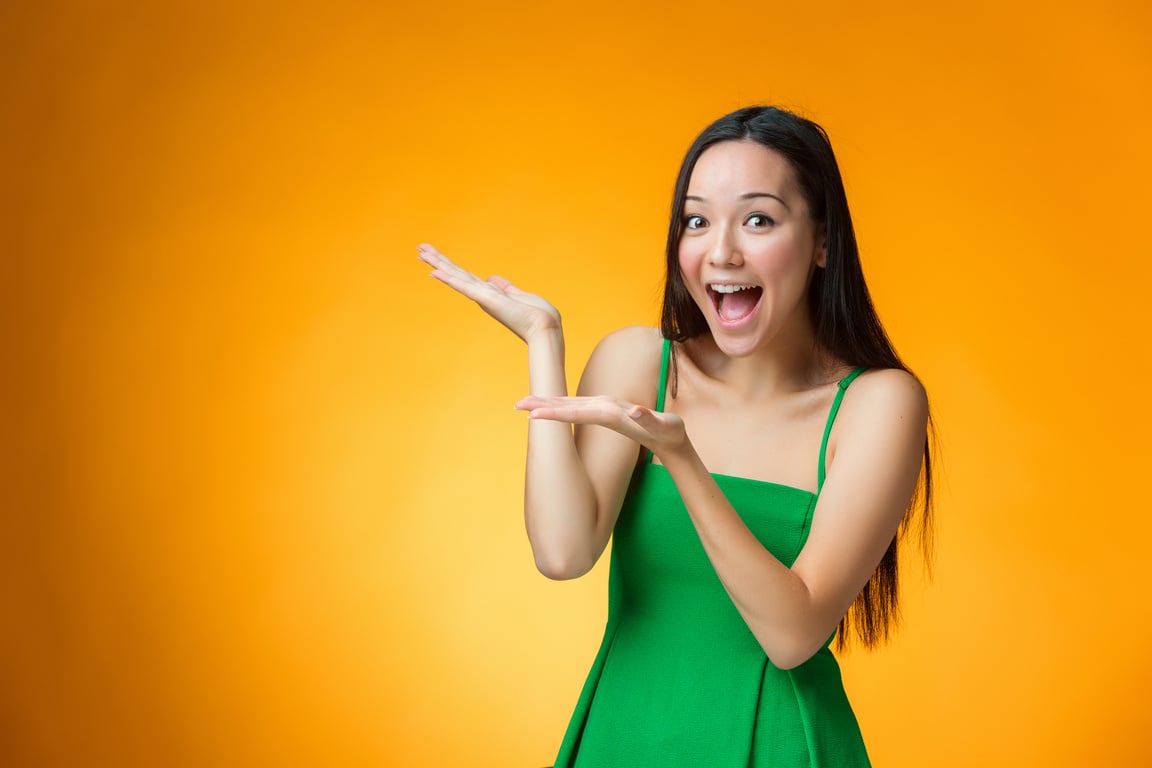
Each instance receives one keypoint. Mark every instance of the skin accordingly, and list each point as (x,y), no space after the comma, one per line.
(752,401)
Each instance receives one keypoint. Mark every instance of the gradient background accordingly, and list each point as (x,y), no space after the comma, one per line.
(261,477)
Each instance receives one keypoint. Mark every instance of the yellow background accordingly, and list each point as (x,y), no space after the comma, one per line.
(261,476)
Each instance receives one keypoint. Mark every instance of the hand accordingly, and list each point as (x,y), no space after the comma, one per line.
(659,432)
(525,314)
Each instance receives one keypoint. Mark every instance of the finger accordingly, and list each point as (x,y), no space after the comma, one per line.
(445,270)
(430,251)
(432,257)
(643,416)
(469,285)
(429,254)
(439,261)
(534,401)
(537,401)
(602,411)
(578,415)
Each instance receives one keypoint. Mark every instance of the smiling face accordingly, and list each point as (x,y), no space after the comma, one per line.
(748,246)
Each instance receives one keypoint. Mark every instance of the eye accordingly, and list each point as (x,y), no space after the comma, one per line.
(759,221)
(695,221)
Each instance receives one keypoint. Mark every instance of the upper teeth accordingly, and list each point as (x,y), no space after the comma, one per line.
(730,288)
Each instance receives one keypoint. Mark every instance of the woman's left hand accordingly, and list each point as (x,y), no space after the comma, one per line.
(656,431)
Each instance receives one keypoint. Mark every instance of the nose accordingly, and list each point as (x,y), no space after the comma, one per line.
(725,249)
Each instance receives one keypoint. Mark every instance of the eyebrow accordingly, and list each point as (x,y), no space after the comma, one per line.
(745,196)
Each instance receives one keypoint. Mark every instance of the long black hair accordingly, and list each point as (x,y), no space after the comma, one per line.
(845,321)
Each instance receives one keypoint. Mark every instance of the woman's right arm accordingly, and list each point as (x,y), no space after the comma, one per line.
(574,484)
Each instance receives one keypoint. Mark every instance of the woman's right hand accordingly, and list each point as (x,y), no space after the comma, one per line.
(525,314)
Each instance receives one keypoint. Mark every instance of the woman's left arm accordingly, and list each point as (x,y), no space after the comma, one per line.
(879,440)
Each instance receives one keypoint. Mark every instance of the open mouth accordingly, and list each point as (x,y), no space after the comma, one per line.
(734,302)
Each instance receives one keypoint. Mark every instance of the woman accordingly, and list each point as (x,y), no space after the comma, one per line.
(755,460)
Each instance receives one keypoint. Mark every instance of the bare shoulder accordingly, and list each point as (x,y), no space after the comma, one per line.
(887,398)
(877,448)
(629,342)
(625,364)
(889,385)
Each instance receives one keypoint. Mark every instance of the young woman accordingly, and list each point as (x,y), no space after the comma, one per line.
(755,460)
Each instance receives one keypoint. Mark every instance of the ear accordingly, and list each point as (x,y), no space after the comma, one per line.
(821,249)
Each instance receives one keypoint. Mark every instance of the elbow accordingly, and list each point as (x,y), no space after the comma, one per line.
(791,652)
(561,555)
(562,566)
(789,659)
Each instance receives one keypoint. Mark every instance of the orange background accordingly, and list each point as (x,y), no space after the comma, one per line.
(261,477)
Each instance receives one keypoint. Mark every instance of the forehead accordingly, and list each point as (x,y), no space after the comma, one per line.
(733,168)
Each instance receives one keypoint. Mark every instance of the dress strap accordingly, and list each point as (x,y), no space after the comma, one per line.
(664,356)
(843,385)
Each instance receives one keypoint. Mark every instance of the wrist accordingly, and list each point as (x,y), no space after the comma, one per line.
(546,363)
(546,339)
(678,457)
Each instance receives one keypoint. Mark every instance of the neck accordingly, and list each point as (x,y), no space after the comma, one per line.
(790,362)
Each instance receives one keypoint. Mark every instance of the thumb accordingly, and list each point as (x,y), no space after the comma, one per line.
(643,416)
(503,284)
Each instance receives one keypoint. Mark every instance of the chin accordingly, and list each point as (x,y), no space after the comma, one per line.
(734,346)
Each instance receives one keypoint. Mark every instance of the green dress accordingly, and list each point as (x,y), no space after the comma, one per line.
(679,679)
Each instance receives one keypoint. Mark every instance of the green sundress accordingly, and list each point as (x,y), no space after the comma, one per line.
(679,679)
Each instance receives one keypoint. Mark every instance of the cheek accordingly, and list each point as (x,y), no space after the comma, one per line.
(776,261)
(689,257)
(684,253)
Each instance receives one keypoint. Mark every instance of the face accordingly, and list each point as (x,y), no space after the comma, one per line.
(749,246)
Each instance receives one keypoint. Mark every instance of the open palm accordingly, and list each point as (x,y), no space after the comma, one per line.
(523,313)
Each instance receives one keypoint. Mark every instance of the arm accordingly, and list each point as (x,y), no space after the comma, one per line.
(793,611)
(574,485)
(568,531)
